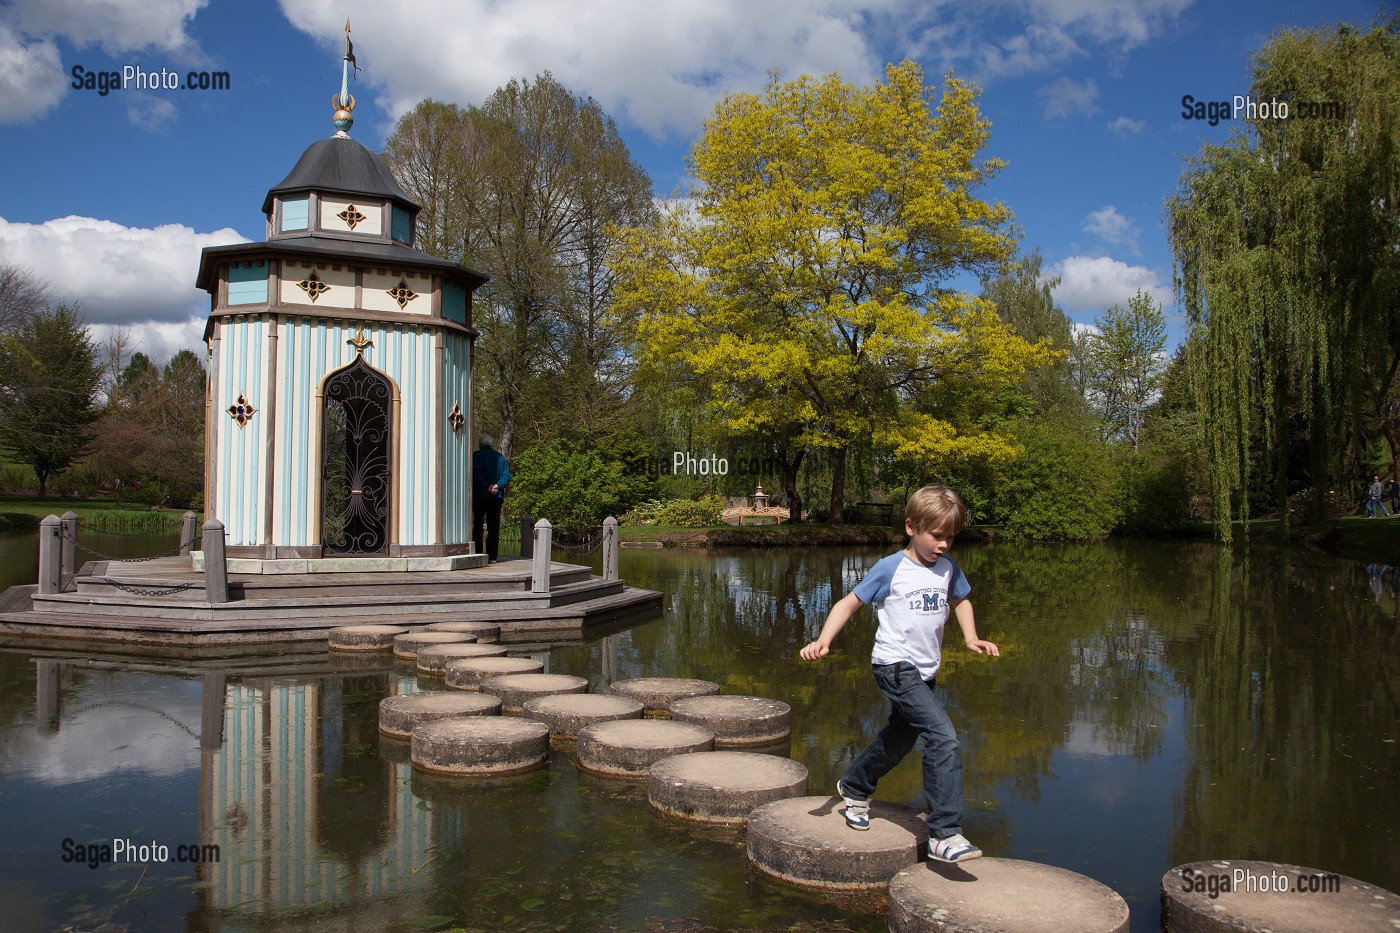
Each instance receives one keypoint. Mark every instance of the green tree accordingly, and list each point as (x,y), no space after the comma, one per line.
(1284,239)
(48,387)
(1125,366)
(1023,296)
(802,283)
(529,187)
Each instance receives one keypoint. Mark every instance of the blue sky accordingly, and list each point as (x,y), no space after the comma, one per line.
(110,198)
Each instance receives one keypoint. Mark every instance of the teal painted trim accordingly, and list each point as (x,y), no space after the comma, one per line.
(454,303)
(247,285)
(295,212)
(401,228)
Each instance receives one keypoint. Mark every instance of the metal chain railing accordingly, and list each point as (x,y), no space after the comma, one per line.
(173,552)
(578,542)
(145,591)
(181,548)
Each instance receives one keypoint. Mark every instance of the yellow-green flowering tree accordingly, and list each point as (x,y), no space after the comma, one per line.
(803,280)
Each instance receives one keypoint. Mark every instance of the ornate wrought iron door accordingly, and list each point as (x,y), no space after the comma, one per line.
(355,461)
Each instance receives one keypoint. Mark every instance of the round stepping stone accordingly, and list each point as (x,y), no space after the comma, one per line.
(722,787)
(399,715)
(484,631)
(1002,894)
(480,745)
(658,693)
(566,714)
(515,689)
(431,660)
(408,646)
(364,637)
(805,841)
(737,721)
(1257,896)
(628,747)
(468,673)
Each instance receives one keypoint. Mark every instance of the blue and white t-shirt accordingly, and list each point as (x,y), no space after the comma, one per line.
(911,604)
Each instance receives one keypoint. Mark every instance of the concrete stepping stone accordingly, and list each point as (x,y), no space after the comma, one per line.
(737,721)
(484,745)
(400,714)
(431,660)
(408,645)
(483,631)
(468,673)
(722,787)
(658,693)
(629,747)
(566,714)
(364,637)
(1002,894)
(1240,895)
(805,841)
(515,689)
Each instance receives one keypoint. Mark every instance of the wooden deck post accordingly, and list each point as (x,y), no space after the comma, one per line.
(70,546)
(50,555)
(543,546)
(610,545)
(189,525)
(215,567)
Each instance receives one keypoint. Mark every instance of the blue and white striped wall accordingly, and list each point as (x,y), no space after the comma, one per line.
(284,435)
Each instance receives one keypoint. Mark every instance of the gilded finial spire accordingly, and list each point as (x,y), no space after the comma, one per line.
(343,102)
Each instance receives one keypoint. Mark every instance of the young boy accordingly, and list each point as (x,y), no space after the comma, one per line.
(913,592)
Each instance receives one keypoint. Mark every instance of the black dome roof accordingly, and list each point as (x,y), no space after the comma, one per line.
(341,164)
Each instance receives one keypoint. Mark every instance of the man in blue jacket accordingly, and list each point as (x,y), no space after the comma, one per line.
(490,475)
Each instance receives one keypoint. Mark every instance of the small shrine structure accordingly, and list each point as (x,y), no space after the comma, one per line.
(339,417)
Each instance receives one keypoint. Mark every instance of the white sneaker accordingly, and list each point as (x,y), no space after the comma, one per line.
(955,848)
(857,811)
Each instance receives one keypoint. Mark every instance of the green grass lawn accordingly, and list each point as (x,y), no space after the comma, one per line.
(20,512)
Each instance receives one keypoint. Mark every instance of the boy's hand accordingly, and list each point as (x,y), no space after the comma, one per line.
(982,646)
(813,651)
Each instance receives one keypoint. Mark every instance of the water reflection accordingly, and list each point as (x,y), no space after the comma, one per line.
(1156,704)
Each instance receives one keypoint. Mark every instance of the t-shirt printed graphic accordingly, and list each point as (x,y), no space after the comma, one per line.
(911,604)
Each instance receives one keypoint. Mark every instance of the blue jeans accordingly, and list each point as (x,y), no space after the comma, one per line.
(915,712)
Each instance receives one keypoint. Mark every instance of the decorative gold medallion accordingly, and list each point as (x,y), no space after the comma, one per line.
(456,418)
(242,411)
(352,216)
(402,293)
(313,286)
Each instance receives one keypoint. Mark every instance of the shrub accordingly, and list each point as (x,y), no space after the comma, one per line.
(1063,487)
(691,513)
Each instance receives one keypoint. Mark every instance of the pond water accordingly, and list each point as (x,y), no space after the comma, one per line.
(1157,703)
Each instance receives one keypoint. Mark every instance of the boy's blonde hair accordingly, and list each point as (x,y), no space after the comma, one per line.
(931,506)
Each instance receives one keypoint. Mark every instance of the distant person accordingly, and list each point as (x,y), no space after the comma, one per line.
(490,476)
(1373,499)
(1392,492)
(913,592)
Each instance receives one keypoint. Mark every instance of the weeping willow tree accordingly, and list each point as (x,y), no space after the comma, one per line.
(1287,257)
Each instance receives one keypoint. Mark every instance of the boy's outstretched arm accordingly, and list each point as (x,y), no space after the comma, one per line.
(963,610)
(836,620)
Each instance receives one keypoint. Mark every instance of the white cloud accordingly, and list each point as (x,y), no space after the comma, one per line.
(1037,48)
(1093,284)
(32,79)
(151,113)
(1124,127)
(1111,226)
(116,25)
(1066,97)
(659,65)
(1122,23)
(140,278)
